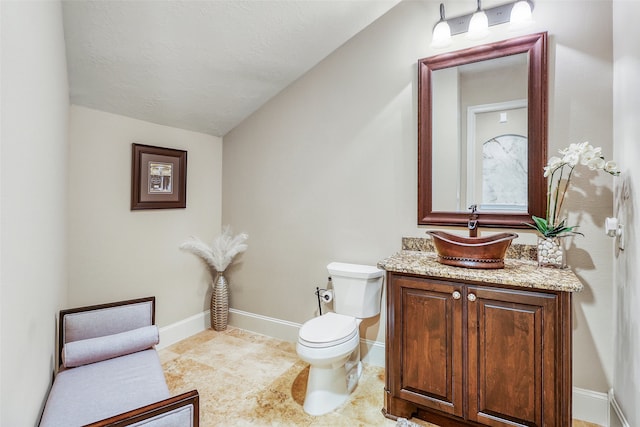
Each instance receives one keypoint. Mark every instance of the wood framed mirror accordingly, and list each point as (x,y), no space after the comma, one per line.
(482,134)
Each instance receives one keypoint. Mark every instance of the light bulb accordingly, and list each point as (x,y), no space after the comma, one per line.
(520,15)
(441,35)
(478,26)
(442,32)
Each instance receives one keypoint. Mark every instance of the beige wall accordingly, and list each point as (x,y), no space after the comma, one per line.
(626,108)
(116,253)
(33,273)
(581,110)
(327,170)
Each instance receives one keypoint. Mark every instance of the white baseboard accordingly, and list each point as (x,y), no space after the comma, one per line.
(591,406)
(620,419)
(185,328)
(269,326)
(588,405)
(372,352)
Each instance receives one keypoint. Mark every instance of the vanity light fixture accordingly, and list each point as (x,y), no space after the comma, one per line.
(476,24)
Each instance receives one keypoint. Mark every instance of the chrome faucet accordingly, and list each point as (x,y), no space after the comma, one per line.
(473,221)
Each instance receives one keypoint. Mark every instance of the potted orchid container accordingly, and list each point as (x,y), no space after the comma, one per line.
(218,257)
(559,171)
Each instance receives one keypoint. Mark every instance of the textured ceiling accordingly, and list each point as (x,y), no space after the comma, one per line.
(200,65)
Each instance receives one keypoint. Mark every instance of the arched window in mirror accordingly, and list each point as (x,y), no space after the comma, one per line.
(503,186)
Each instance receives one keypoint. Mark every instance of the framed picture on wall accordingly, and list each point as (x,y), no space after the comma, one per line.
(158,178)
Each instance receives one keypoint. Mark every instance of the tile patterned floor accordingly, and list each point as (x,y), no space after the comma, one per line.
(246,379)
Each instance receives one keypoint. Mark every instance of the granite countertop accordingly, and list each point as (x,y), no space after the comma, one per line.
(521,272)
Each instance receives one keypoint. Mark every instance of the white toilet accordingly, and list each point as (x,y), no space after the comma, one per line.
(331,343)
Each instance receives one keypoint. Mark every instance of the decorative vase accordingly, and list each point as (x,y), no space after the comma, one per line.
(551,252)
(220,303)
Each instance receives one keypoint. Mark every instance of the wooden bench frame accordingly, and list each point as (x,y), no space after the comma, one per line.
(146,412)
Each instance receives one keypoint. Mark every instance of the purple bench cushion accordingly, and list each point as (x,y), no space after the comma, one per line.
(106,321)
(93,350)
(100,390)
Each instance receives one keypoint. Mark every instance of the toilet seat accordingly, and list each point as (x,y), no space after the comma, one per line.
(328,330)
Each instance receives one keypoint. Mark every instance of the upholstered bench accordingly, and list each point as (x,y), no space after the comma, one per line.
(110,374)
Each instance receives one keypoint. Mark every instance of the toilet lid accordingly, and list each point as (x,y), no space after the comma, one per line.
(330,328)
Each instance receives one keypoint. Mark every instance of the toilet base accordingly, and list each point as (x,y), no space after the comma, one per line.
(334,373)
(329,387)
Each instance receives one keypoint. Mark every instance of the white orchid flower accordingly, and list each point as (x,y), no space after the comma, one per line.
(611,167)
(571,158)
(558,184)
(574,149)
(589,153)
(596,164)
(554,163)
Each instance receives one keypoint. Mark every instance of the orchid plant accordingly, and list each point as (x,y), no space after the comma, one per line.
(559,172)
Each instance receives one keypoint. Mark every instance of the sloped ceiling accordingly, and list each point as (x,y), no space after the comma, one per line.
(200,65)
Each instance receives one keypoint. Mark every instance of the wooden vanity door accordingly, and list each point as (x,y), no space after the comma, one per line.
(512,352)
(428,343)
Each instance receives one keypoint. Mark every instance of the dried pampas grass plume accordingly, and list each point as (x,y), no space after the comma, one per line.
(222,251)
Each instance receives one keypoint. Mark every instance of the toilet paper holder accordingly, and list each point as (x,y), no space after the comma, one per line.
(324,296)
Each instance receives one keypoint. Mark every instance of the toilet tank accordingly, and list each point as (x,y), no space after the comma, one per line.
(357,289)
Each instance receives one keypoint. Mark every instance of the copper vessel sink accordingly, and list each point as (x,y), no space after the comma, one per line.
(471,252)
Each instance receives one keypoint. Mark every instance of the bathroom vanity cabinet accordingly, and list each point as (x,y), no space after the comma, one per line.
(465,348)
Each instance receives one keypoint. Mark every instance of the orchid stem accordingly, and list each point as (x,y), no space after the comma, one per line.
(550,210)
(564,192)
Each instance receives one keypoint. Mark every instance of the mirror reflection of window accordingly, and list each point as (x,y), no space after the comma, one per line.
(504,173)
(160,177)
(497,154)
(460,94)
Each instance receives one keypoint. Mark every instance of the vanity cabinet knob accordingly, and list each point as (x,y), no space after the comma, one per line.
(456,295)
(471,297)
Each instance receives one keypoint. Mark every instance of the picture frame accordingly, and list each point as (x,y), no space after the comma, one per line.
(158,177)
